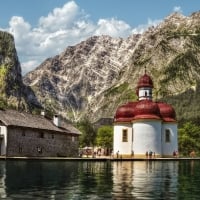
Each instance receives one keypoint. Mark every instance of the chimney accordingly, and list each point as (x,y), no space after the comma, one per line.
(56,120)
(42,113)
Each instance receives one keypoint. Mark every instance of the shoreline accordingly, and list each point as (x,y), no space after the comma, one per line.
(101,159)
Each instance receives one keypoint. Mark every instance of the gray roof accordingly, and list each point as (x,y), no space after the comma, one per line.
(24,119)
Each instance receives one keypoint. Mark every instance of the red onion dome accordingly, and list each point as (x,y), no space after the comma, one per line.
(145,81)
(167,112)
(147,109)
(125,113)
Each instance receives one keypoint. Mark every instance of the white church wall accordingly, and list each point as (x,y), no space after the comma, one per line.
(168,147)
(124,148)
(146,137)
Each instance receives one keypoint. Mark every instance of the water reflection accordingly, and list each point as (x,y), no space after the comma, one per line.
(145,180)
(38,179)
(189,180)
(95,180)
(99,180)
(2,180)
(55,180)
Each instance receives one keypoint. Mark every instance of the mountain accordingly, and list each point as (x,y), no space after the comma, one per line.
(71,81)
(13,92)
(92,78)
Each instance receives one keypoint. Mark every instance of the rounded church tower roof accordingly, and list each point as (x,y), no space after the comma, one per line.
(125,113)
(145,81)
(147,109)
(167,112)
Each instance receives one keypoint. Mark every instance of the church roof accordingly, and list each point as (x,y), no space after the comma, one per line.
(145,108)
(145,81)
(125,112)
(167,112)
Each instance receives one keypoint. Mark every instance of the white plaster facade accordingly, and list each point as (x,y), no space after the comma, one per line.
(121,147)
(3,139)
(145,136)
(172,145)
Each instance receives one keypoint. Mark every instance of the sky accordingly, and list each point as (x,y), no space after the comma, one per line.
(45,28)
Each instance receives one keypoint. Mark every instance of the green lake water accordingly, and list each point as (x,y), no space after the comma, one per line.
(100,180)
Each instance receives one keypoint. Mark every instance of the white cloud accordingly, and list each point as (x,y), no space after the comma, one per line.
(29,64)
(113,27)
(62,27)
(177,9)
(60,18)
(18,25)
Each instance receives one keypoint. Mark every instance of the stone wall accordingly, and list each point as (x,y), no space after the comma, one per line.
(34,142)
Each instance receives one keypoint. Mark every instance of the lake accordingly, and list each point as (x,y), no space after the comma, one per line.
(99,180)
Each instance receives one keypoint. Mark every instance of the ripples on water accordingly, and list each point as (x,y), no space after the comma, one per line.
(99,180)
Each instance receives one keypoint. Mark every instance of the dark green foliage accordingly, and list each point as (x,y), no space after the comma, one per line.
(189,139)
(179,68)
(3,104)
(6,43)
(187,105)
(121,93)
(88,131)
(195,40)
(105,137)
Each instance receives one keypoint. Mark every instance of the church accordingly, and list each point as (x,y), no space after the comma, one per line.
(145,126)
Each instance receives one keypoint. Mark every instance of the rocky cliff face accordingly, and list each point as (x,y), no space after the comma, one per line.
(70,82)
(13,93)
(92,78)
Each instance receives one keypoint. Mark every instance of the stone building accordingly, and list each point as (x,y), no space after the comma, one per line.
(145,126)
(26,135)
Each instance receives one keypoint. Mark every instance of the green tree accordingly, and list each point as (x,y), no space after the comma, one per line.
(189,138)
(88,131)
(105,137)
(3,104)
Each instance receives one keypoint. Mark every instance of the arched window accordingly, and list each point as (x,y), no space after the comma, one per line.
(167,136)
(124,135)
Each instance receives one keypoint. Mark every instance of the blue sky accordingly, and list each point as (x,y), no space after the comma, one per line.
(44,28)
